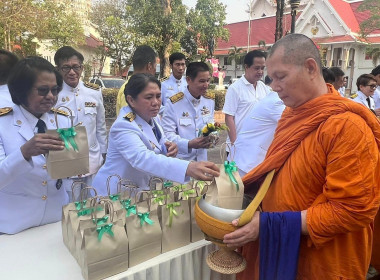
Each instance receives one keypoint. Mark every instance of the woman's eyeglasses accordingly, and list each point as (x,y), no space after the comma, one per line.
(67,68)
(44,90)
(371,86)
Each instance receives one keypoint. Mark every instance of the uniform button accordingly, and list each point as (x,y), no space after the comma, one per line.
(44,166)
(197,130)
(78,109)
(44,197)
(76,94)
(44,183)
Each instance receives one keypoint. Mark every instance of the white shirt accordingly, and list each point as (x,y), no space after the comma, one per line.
(257,131)
(172,86)
(376,97)
(5,97)
(241,97)
(362,99)
(342,91)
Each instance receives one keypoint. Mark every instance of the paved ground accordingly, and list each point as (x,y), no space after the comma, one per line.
(213,154)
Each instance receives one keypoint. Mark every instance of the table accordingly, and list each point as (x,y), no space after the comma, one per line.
(39,253)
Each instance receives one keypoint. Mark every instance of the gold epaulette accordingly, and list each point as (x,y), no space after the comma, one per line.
(130,116)
(163,79)
(177,97)
(91,85)
(209,95)
(60,112)
(354,96)
(5,110)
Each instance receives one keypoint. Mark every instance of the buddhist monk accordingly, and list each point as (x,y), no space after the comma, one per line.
(326,156)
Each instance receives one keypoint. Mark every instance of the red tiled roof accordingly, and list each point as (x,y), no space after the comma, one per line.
(93,42)
(361,16)
(346,14)
(334,39)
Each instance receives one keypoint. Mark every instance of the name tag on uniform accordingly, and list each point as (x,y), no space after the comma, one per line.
(185,121)
(90,104)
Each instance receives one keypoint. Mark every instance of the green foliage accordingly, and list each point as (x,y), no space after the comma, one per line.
(220,96)
(374,53)
(236,55)
(372,23)
(109,101)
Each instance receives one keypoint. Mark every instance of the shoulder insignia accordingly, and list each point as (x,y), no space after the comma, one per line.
(60,112)
(91,85)
(5,110)
(130,116)
(163,79)
(354,96)
(177,97)
(209,95)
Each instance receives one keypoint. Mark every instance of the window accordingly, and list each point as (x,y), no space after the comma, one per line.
(225,61)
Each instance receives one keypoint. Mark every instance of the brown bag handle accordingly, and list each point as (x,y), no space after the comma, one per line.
(231,148)
(106,203)
(56,115)
(148,199)
(75,185)
(108,183)
(155,180)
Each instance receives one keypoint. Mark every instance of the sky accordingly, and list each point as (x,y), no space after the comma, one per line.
(235,9)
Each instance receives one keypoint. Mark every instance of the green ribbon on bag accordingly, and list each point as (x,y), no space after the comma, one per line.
(160,199)
(229,167)
(80,204)
(68,135)
(114,197)
(168,184)
(201,185)
(187,193)
(144,217)
(88,211)
(100,221)
(157,193)
(125,203)
(131,209)
(172,211)
(179,187)
(104,229)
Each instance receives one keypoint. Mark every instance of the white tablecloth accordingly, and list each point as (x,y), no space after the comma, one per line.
(39,253)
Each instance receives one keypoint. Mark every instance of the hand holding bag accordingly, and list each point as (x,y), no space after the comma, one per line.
(73,160)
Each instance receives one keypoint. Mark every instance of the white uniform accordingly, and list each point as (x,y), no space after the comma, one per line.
(5,97)
(342,91)
(28,196)
(241,96)
(172,86)
(362,99)
(376,97)
(257,133)
(87,106)
(184,117)
(135,154)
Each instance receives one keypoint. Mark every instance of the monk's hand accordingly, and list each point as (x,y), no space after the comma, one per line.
(245,234)
(41,143)
(172,149)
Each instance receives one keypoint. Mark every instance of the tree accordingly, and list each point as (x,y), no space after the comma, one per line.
(235,55)
(372,23)
(207,21)
(375,54)
(162,22)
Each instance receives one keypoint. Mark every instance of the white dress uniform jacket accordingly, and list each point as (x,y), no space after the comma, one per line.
(362,99)
(376,97)
(87,106)
(5,97)
(257,132)
(172,86)
(28,196)
(184,117)
(135,154)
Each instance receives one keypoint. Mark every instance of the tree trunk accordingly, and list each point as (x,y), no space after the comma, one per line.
(163,54)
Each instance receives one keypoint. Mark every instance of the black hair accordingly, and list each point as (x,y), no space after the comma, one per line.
(194,68)
(142,56)
(364,79)
(267,80)
(328,75)
(66,53)
(376,71)
(250,56)
(24,75)
(337,72)
(176,56)
(7,61)
(137,83)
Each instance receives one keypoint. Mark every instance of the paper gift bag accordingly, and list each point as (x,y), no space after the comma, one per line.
(227,190)
(73,160)
(175,224)
(104,247)
(144,234)
(75,205)
(128,204)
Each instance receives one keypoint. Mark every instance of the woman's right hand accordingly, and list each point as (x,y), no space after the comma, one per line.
(41,143)
(203,170)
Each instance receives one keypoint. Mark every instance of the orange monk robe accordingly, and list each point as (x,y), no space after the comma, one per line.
(326,153)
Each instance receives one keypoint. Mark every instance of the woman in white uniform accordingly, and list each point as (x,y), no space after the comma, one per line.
(28,196)
(138,148)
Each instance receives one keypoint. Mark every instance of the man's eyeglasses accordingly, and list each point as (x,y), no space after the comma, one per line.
(67,69)
(371,86)
(44,90)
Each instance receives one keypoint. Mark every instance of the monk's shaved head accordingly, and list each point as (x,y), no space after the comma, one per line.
(297,48)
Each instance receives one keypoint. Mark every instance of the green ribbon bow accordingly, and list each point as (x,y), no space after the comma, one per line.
(229,167)
(100,221)
(80,204)
(179,187)
(114,197)
(131,209)
(160,199)
(157,193)
(172,211)
(144,217)
(125,203)
(187,193)
(67,135)
(168,184)
(88,211)
(104,229)
(201,185)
